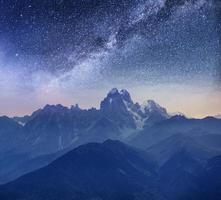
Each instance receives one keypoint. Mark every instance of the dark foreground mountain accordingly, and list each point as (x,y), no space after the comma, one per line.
(210,180)
(115,171)
(110,170)
(14,165)
(183,177)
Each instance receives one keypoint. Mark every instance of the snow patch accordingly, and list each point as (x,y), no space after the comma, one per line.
(21,123)
(139,121)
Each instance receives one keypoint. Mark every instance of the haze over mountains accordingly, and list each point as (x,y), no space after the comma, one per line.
(113,170)
(165,156)
(118,118)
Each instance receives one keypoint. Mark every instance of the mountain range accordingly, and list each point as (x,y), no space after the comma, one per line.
(151,155)
(118,118)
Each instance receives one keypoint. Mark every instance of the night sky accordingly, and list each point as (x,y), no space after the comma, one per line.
(74,51)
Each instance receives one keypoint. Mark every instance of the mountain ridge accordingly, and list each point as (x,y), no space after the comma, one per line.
(56,128)
(109,170)
(114,170)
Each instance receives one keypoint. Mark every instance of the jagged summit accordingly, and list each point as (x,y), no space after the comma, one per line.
(117,107)
(115,100)
(116,95)
(75,107)
(150,106)
(122,107)
(54,107)
(126,96)
(113,91)
(178,118)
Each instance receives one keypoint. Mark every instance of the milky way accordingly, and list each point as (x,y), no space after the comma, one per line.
(61,48)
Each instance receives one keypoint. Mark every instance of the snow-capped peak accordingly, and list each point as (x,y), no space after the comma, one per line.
(218,116)
(120,102)
(124,92)
(113,91)
(125,95)
(118,96)
(177,114)
(151,106)
(113,101)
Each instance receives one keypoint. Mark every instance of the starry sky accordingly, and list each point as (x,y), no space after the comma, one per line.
(74,51)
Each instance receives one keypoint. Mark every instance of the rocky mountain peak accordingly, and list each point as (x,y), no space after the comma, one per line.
(113,92)
(113,101)
(57,107)
(75,107)
(126,96)
(150,106)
